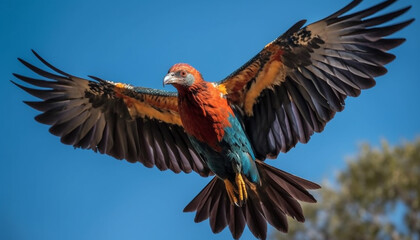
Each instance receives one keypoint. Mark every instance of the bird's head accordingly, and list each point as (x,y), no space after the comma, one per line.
(182,76)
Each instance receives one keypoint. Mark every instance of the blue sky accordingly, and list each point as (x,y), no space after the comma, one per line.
(51,191)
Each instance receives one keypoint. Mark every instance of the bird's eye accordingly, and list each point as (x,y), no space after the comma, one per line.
(183,73)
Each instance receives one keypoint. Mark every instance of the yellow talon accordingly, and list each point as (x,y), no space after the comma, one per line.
(240,190)
(230,189)
(243,194)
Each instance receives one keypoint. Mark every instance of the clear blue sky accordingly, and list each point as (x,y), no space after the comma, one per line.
(51,191)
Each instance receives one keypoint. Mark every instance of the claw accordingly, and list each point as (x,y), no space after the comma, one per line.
(230,189)
(240,190)
(243,194)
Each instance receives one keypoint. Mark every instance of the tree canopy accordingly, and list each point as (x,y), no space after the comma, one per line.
(377,196)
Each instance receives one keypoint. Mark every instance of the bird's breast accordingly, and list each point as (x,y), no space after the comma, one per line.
(205,115)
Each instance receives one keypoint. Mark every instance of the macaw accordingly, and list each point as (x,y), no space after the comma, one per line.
(288,91)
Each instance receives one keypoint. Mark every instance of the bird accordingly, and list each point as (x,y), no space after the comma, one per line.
(227,129)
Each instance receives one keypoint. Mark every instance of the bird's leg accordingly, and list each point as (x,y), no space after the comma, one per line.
(243,194)
(240,190)
(230,189)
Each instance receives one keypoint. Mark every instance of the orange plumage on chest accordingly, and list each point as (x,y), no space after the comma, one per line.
(204,113)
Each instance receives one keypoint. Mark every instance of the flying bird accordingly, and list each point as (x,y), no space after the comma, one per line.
(280,97)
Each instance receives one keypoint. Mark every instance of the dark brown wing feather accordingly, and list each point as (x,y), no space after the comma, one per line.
(296,84)
(132,123)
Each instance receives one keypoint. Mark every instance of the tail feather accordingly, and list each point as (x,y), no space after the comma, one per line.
(236,220)
(255,218)
(206,199)
(193,205)
(283,201)
(218,220)
(274,215)
(277,197)
(294,185)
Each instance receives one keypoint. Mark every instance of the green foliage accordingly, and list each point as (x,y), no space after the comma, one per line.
(376,197)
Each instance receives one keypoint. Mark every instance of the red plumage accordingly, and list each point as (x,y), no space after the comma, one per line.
(203,110)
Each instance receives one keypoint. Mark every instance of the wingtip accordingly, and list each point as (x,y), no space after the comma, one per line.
(28,65)
(345,9)
(18,85)
(49,64)
(13,82)
(404,24)
(410,21)
(298,25)
(37,55)
(303,21)
(24,89)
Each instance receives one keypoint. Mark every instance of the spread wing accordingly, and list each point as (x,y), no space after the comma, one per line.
(132,123)
(296,84)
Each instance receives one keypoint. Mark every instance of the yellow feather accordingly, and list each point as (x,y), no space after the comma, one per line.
(145,110)
(266,79)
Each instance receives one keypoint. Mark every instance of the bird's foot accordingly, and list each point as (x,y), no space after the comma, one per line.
(230,189)
(238,195)
(243,194)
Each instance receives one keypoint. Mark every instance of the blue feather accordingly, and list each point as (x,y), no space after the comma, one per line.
(236,155)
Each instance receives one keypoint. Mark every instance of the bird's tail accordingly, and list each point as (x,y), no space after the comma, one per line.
(269,202)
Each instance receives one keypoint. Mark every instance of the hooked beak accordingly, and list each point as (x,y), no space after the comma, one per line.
(170,78)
